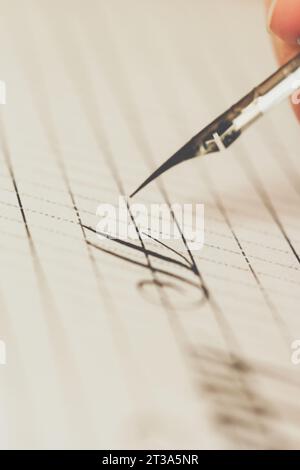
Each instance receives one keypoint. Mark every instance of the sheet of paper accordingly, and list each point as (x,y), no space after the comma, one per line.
(115,346)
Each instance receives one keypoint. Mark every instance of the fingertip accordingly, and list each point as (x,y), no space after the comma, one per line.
(284,51)
(284,20)
(297,111)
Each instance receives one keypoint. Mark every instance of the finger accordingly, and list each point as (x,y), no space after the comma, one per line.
(284,20)
(284,50)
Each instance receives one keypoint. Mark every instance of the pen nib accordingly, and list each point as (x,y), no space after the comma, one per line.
(189,150)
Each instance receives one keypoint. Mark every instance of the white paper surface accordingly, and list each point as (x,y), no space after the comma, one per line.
(99,94)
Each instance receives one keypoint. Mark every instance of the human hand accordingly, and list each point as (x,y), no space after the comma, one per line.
(284,24)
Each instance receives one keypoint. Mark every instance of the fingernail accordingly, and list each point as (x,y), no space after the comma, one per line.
(270,15)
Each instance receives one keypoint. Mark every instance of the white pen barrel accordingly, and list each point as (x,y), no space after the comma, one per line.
(272,91)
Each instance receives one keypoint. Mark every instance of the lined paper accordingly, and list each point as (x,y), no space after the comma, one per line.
(117,346)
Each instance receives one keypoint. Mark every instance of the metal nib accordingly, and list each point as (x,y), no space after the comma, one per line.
(190,150)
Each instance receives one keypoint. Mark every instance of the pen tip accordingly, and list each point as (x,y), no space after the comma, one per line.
(186,152)
(138,189)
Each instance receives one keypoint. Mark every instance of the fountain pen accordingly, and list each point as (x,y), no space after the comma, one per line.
(226,128)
